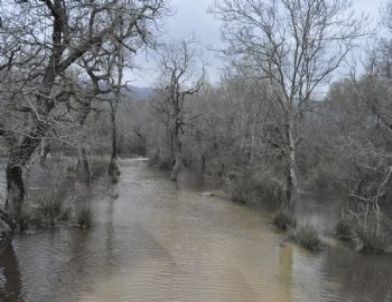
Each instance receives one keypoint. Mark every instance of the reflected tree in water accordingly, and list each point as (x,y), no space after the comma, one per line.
(10,277)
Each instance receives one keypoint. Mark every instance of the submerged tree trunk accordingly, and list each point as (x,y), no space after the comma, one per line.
(176,168)
(18,158)
(83,164)
(177,145)
(16,190)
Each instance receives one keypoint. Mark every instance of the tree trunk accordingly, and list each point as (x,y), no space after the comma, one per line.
(292,181)
(45,149)
(16,191)
(203,164)
(18,158)
(176,168)
(178,160)
(7,229)
(84,166)
(114,138)
(113,168)
(253,137)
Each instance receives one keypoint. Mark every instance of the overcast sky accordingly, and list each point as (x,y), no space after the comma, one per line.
(191,18)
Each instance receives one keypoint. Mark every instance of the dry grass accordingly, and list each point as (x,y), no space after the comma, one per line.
(84,218)
(51,209)
(366,235)
(307,237)
(283,221)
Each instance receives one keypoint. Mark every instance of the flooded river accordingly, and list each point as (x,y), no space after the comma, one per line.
(156,242)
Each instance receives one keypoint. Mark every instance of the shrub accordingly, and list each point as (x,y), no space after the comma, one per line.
(366,235)
(307,237)
(25,220)
(369,240)
(164,164)
(284,221)
(344,229)
(51,209)
(98,168)
(114,169)
(114,175)
(84,218)
(160,160)
(241,192)
(255,189)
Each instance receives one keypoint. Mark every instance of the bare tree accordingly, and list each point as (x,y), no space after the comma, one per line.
(180,78)
(296,45)
(44,41)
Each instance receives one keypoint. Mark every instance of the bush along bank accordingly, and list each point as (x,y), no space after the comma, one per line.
(66,201)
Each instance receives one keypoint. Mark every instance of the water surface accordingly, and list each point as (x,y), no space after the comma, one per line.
(157,242)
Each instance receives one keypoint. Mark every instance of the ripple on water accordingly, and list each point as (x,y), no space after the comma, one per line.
(157,243)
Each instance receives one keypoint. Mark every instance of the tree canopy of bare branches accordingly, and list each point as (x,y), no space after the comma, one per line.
(42,43)
(182,75)
(296,46)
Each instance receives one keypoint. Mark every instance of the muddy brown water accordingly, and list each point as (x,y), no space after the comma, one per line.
(157,242)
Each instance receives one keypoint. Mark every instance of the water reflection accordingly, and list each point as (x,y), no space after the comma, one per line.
(285,273)
(10,277)
(359,277)
(110,237)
